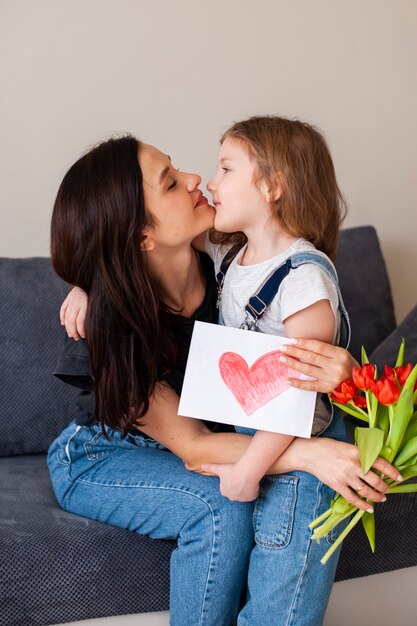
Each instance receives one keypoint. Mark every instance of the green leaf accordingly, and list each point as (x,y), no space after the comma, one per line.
(409,472)
(400,357)
(407,452)
(352,410)
(339,505)
(369,442)
(368,521)
(386,452)
(410,432)
(364,356)
(402,412)
(403,488)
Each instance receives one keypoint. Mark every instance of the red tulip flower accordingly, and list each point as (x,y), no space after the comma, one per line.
(360,402)
(364,376)
(402,372)
(344,392)
(386,390)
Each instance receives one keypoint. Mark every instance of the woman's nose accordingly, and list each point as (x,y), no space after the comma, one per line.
(193,181)
(210,185)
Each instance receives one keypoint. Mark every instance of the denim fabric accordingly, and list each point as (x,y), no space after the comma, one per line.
(287,584)
(135,483)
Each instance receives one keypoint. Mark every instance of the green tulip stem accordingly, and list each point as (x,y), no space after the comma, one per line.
(371,411)
(320,519)
(342,535)
(391,421)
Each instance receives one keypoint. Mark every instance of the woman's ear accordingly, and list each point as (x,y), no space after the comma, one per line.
(147,243)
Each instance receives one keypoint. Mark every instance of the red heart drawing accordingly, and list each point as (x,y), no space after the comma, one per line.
(256,385)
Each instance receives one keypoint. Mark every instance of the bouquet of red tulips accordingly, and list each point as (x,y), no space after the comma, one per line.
(388,406)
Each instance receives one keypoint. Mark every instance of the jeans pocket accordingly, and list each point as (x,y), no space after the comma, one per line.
(273,516)
(98,447)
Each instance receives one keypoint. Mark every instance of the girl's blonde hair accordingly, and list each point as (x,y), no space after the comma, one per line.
(295,156)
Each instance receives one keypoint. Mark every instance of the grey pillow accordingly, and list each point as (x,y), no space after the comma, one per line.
(34,406)
(386,352)
(365,288)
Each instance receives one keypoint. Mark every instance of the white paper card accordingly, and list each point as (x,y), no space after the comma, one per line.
(235,377)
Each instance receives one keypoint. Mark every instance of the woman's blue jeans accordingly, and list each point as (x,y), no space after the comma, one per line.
(135,483)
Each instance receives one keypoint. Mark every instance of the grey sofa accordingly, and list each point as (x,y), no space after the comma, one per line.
(56,567)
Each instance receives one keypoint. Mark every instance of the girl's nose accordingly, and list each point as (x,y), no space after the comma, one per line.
(210,186)
(193,181)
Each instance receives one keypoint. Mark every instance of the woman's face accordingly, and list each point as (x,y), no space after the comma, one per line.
(179,209)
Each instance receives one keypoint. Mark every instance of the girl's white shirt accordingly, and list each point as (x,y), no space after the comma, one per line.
(301,288)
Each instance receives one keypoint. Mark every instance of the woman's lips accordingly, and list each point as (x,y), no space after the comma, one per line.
(202,200)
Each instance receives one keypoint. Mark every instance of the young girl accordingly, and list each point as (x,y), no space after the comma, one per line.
(276,195)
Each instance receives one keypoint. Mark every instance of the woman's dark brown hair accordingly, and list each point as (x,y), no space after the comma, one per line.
(97,224)
(294,155)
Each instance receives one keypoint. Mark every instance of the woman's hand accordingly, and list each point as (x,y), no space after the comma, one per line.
(329,365)
(72,313)
(337,465)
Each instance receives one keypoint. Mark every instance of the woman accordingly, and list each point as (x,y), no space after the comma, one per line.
(122,228)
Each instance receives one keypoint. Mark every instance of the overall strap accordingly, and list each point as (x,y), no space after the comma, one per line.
(260,301)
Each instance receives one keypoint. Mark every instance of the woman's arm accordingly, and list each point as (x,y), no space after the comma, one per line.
(333,462)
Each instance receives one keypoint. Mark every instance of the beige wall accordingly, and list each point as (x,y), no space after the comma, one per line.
(177,73)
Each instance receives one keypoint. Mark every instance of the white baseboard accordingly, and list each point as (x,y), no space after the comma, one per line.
(382,600)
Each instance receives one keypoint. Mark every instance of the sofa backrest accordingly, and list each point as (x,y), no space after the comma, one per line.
(365,288)
(34,406)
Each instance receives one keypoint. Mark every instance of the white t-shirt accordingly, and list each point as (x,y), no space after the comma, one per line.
(301,288)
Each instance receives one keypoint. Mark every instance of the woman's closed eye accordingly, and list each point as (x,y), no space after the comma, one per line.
(174,182)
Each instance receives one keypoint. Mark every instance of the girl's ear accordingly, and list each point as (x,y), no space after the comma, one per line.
(272,195)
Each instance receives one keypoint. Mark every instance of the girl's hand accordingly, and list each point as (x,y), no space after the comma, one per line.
(234,485)
(337,465)
(72,313)
(329,365)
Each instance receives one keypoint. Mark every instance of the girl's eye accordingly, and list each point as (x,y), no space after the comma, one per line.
(225,169)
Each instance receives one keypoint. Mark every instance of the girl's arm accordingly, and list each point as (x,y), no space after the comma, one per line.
(72,313)
(240,481)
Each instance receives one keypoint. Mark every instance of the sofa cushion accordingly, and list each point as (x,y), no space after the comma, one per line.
(365,288)
(34,406)
(57,567)
(386,352)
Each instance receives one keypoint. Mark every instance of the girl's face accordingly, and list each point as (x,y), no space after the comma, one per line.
(239,204)
(179,209)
